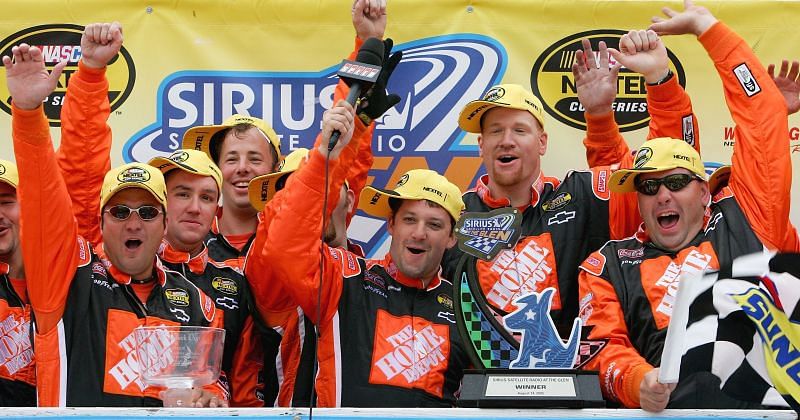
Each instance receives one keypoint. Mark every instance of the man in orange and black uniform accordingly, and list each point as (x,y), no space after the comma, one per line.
(193,187)
(371,311)
(83,130)
(17,374)
(86,307)
(562,220)
(628,287)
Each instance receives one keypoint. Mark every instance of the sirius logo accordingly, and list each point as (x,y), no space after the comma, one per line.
(435,79)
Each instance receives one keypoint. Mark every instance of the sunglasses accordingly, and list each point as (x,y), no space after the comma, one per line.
(123,212)
(674,182)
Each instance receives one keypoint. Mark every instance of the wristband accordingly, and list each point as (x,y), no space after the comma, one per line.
(663,79)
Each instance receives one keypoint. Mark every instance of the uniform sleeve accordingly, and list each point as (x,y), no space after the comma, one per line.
(220,388)
(604,144)
(671,113)
(761,174)
(294,247)
(620,366)
(84,154)
(273,302)
(248,360)
(50,242)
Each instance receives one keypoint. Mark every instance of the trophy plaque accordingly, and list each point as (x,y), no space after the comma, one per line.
(520,359)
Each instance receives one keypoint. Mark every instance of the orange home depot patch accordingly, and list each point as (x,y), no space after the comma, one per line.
(122,362)
(661,277)
(16,352)
(410,355)
(531,267)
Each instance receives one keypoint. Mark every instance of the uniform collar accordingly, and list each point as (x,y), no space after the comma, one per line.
(197,264)
(125,279)
(482,189)
(4,268)
(392,270)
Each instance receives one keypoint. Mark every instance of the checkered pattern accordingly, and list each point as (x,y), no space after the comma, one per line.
(483,245)
(493,350)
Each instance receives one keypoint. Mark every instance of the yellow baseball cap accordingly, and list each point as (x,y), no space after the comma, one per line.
(199,137)
(9,173)
(506,96)
(416,184)
(661,154)
(263,188)
(192,161)
(719,178)
(134,175)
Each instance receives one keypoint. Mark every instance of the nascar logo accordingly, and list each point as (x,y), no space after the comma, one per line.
(435,79)
(60,42)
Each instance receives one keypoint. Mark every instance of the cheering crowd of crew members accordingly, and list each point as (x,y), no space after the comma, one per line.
(96,273)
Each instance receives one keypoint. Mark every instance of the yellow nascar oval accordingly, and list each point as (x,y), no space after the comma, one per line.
(63,42)
(552,81)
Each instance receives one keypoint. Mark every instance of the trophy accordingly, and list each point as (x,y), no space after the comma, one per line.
(179,358)
(536,370)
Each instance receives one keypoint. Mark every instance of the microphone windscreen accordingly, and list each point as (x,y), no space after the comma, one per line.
(371,52)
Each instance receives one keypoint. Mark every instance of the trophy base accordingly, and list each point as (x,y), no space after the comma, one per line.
(530,388)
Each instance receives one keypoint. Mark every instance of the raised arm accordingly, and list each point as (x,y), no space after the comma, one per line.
(84,152)
(761,176)
(293,246)
(670,108)
(50,244)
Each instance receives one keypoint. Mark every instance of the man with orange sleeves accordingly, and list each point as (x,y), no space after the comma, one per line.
(193,184)
(387,338)
(628,286)
(369,21)
(562,221)
(86,307)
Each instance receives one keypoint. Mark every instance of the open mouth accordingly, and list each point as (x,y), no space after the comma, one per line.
(668,220)
(507,158)
(415,251)
(132,244)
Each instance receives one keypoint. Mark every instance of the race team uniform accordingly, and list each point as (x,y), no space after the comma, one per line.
(83,118)
(629,286)
(85,309)
(385,341)
(567,220)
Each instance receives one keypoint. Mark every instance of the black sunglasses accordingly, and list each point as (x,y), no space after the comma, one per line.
(123,212)
(674,182)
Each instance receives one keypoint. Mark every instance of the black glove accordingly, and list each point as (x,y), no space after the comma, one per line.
(376,101)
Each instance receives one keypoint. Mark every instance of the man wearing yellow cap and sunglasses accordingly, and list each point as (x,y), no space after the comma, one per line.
(629,286)
(87,302)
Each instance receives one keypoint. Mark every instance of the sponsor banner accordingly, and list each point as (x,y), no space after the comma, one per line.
(183,66)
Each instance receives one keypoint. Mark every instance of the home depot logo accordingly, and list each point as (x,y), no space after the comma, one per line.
(60,42)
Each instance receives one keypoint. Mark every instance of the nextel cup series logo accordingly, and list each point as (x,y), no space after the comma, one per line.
(552,81)
(60,42)
(435,79)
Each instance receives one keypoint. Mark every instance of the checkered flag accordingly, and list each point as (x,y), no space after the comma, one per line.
(483,245)
(743,329)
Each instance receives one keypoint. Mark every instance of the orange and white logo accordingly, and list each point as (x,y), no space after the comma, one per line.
(122,372)
(531,267)
(410,352)
(16,352)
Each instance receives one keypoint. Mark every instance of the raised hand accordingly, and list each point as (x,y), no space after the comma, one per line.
(100,43)
(693,20)
(643,52)
(339,118)
(596,83)
(369,18)
(788,83)
(28,81)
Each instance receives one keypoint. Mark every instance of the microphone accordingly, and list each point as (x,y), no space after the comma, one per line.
(360,75)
